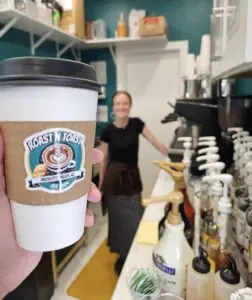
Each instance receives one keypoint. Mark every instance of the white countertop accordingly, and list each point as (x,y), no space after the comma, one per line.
(141,255)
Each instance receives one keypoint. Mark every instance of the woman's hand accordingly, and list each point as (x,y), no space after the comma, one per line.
(163,149)
(154,141)
(16,263)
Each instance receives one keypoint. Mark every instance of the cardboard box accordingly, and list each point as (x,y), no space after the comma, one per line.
(153,26)
(88,30)
(73,20)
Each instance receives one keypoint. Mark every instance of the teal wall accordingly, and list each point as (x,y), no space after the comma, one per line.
(187,20)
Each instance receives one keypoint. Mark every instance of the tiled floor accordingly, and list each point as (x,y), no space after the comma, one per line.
(96,236)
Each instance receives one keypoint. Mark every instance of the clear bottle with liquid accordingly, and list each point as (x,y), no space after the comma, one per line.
(228,280)
(206,225)
(200,279)
(213,247)
(217,244)
(213,195)
(121,27)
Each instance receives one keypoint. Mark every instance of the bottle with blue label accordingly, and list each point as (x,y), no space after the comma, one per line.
(172,254)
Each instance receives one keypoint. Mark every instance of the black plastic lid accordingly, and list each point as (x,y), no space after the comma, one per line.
(230,274)
(201,264)
(48,71)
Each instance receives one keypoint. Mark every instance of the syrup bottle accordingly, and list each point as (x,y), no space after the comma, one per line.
(186,209)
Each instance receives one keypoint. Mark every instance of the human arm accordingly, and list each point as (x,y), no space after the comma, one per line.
(103,164)
(16,263)
(154,141)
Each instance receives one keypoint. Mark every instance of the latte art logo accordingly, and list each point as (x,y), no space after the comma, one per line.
(54,160)
(57,156)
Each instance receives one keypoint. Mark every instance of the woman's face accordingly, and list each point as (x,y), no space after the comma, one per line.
(121,106)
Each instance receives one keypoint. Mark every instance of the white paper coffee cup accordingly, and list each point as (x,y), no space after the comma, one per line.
(48,112)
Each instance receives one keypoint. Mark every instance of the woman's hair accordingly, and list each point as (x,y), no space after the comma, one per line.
(122,92)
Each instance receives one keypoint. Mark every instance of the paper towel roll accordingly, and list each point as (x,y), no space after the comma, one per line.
(198,65)
(190,67)
(205,55)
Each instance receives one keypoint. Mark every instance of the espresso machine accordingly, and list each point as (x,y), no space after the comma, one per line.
(212,116)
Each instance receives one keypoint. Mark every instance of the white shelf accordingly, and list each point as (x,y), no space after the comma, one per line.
(16,19)
(243,70)
(105,43)
(29,24)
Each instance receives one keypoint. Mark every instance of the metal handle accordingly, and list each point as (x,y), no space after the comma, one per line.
(153,200)
(177,166)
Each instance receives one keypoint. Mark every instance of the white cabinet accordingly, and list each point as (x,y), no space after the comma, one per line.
(231,37)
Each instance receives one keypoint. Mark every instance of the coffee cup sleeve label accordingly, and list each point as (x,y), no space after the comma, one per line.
(54,160)
(49,162)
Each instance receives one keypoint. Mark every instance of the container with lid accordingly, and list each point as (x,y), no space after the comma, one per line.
(172,254)
(200,279)
(48,118)
(228,280)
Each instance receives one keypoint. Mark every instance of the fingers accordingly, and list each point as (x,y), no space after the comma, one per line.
(98,156)
(94,194)
(89,221)
(1,166)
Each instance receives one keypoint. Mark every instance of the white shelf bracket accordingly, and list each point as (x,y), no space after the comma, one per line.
(76,54)
(63,50)
(8,26)
(35,45)
(79,53)
(112,52)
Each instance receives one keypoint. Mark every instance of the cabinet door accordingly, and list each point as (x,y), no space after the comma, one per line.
(233,17)
(225,21)
(217,35)
(234,34)
(219,28)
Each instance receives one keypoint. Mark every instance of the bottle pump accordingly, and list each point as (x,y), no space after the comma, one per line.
(209,158)
(224,205)
(187,153)
(208,150)
(186,208)
(211,193)
(172,254)
(224,212)
(207,143)
(207,138)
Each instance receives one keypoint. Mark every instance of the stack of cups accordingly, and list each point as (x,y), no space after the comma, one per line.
(205,55)
(190,67)
(48,118)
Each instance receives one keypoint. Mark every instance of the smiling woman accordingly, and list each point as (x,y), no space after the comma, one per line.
(120,179)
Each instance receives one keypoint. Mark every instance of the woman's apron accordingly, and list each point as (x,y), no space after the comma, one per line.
(122,187)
